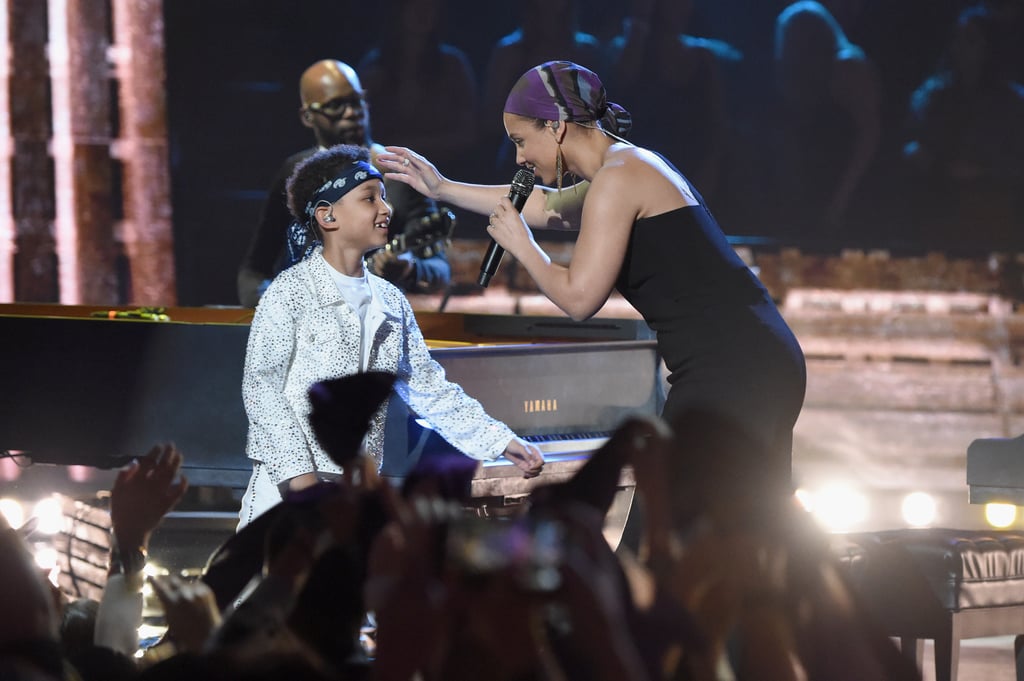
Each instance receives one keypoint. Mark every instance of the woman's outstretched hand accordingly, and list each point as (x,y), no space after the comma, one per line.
(405,165)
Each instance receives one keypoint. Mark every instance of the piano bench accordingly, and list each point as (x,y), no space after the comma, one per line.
(939,584)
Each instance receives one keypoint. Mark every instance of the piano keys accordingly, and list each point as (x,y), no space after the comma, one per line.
(498,486)
(538,376)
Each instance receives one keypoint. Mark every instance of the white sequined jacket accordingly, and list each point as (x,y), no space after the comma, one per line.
(304,331)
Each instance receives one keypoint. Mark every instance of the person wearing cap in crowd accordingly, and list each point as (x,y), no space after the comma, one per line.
(326,317)
(644,230)
(335,108)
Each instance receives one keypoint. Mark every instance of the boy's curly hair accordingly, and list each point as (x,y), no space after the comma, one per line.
(312,172)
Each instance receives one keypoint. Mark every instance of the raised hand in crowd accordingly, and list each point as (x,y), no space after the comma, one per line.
(143,493)
(306,598)
(190,611)
(590,617)
(405,588)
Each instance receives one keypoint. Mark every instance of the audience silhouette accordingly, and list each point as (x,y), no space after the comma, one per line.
(547,30)
(671,82)
(829,123)
(966,130)
(422,88)
(731,577)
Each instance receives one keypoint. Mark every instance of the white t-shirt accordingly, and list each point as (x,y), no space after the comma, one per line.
(356,292)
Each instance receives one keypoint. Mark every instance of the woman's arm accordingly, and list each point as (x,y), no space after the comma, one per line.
(609,211)
(406,166)
(546,208)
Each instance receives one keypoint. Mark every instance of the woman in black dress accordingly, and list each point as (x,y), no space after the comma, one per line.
(645,231)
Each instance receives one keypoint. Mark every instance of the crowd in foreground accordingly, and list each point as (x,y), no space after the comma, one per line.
(731,579)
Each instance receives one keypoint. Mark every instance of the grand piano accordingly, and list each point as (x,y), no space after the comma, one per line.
(95,386)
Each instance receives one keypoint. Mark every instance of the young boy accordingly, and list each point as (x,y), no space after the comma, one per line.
(327,317)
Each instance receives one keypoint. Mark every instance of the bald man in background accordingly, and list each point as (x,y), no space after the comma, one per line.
(334,107)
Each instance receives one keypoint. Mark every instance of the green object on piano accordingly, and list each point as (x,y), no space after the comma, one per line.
(153,314)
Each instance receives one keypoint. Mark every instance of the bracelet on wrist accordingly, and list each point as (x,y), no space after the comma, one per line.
(127,561)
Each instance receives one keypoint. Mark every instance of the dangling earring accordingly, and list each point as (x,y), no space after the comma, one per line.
(558,166)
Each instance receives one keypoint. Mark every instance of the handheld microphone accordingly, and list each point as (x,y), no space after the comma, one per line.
(522,185)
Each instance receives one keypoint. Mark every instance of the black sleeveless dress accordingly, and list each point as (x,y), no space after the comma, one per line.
(727,348)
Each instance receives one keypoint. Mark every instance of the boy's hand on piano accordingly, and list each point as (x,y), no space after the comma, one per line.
(526,456)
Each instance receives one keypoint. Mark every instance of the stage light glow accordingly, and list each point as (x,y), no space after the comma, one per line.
(50,515)
(919,509)
(805,498)
(45,556)
(1000,515)
(152,569)
(80,473)
(840,508)
(12,512)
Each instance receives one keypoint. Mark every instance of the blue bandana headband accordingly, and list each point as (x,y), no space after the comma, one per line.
(299,240)
(349,179)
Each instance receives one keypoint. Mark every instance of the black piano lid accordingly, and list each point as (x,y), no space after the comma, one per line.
(97,392)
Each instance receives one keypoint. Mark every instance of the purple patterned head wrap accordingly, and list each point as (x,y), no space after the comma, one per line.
(564,91)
